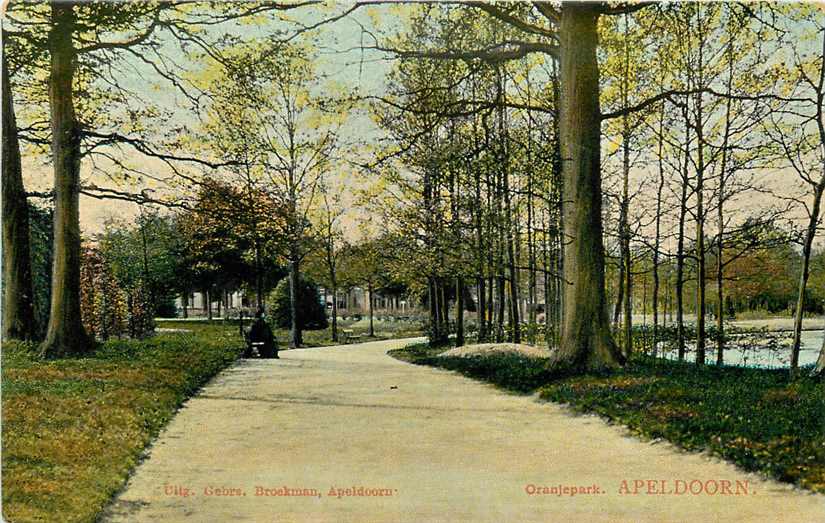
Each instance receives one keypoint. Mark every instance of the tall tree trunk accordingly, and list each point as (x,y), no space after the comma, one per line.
(667,310)
(459,312)
(435,337)
(439,314)
(644,302)
(185,302)
(555,212)
(680,283)
(18,295)
(531,262)
(819,370)
(617,310)
(481,306)
(549,292)
(625,214)
(816,210)
(489,248)
(700,257)
(481,309)
(146,285)
(207,296)
(807,247)
(532,287)
(439,311)
(490,306)
(658,234)
(626,261)
(720,218)
(500,309)
(515,322)
(720,295)
(700,210)
(680,246)
(586,340)
(334,309)
(294,289)
(259,277)
(444,307)
(508,230)
(65,334)
(371,332)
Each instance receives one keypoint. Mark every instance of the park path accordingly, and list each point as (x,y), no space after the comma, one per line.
(447,449)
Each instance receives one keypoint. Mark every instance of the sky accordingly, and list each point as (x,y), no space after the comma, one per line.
(340,60)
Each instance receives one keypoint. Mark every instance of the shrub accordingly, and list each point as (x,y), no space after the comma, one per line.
(166,307)
(311,313)
(107,308)
(102,301)
(141,319)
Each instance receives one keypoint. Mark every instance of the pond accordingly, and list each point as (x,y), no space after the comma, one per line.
(771,349)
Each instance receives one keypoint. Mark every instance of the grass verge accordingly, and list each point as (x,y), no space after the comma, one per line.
(509,371)
(756,418)
(74,428)
(384,330)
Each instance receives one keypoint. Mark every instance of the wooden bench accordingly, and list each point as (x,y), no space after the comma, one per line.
(253,348)
(349,335)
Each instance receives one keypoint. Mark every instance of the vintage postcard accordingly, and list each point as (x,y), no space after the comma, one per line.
(389,261)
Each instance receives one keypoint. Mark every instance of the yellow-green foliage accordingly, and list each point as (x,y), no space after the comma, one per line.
(102,300)
(74,428)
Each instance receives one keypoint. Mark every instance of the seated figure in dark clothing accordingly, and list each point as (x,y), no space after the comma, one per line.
(260,336)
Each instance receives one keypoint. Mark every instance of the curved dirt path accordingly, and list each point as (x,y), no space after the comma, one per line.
(440,447)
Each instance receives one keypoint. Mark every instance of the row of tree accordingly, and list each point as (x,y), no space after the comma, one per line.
(501,115)
(73,59)
(206,248)
(519,131)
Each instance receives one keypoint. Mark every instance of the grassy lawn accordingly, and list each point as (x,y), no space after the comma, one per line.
(74,428)
(384,330)
(509,371)
(756,418)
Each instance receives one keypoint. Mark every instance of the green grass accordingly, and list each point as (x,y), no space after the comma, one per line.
(756,418)
(509,371)
(419,353)
(74,428)
(760,314)
(384,330)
